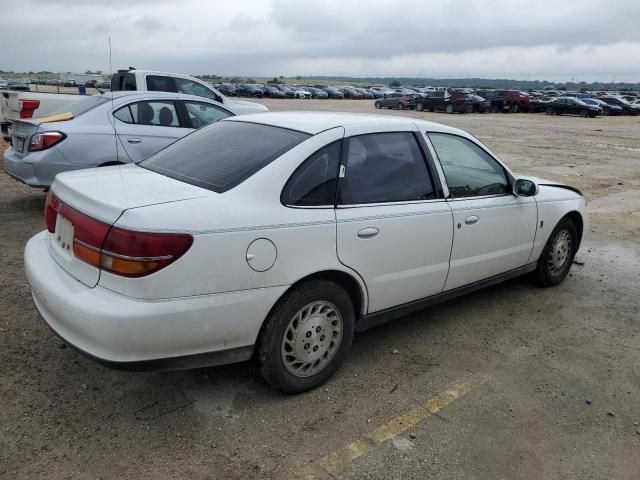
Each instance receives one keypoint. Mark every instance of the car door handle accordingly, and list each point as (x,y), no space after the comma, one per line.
(134,140)
(369,232)
(471,220)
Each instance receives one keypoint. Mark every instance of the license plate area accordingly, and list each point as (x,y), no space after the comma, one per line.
(18,144)
(63,236)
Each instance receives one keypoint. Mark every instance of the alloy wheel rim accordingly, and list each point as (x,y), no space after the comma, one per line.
(312,338)
(559,252)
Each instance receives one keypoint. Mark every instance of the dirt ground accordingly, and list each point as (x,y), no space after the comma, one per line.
(512,382)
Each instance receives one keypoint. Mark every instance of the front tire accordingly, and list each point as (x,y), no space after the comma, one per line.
(449,108)
(419,106)
(378,105)
(557,257)
(400,106)
(306,337)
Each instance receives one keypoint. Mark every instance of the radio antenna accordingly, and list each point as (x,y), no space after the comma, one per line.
(115,131)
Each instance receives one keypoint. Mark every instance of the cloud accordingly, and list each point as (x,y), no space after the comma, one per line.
(591,40)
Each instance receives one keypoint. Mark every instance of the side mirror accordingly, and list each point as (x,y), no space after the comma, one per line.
(525,188)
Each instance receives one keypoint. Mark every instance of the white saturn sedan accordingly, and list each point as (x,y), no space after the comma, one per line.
(278,235)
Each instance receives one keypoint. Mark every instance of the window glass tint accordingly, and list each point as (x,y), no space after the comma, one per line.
(385,167)
(194,88)
(314,182)
(469,170)
(160,84)
(222,155)
(202,114)
(157,113)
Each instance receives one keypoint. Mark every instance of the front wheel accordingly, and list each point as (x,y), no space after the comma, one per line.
(419,106)
(449,109)
(400,106)
(378,105)
(556,258)
(306,336)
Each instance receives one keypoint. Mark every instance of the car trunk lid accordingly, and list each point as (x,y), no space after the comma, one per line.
(90,202)
(21,132)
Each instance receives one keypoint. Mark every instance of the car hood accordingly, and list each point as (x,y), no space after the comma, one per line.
(242,107)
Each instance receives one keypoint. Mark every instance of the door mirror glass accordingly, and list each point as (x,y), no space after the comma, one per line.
(525,188)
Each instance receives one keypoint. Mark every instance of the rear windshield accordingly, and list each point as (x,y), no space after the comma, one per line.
(84,105)
(223,155)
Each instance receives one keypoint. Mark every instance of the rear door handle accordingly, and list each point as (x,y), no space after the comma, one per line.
(368,232)
(471,220)
(134,140)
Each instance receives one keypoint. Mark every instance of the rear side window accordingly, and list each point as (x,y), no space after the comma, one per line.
(156,83)
(201,114)
(223,155)
(314,182)
(194,88)
(156,113)
(385,167)
(123,81)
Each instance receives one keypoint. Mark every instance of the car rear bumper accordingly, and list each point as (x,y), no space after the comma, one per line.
(133,334)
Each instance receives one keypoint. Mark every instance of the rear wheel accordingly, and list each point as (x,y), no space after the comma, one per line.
(514,108)
(494,109)
(556,258)
(550,111)
(584,113)
(306,336)
(378,105)
(419,107)
(400,106)
(449,108)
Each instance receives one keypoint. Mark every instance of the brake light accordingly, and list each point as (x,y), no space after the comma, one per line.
(119,251)
(135,254)
(43,141)
(27,107)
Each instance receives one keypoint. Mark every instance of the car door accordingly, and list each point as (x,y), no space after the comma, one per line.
(494,230)
(393,226)
(147,126)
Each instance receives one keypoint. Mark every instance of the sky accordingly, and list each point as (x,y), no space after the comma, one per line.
(586,40)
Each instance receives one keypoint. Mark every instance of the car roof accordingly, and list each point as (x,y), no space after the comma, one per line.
(156,94)
(316,122)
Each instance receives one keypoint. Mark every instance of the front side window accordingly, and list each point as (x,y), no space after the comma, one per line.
(314,181)
(194,88)
(385,167)
(224,154)
(202,114)
(468,169)
(152,112)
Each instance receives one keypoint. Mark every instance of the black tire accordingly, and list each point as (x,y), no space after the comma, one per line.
(419,107)
(449,108)
(547,275)
(378,105)
(400,106)
(550,111)
(494,109)
(605,113)
(584,113)
(270,356)
(514,108)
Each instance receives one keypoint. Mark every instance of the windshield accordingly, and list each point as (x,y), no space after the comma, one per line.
(223,155)
(84,105)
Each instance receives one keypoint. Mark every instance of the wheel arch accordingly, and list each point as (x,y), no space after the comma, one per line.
(576,218)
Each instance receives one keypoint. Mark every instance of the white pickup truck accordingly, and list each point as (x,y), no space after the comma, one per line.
(15,105)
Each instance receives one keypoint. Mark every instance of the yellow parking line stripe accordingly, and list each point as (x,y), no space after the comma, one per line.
(338,460)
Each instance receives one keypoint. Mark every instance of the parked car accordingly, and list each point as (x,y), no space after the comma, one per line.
(574,106)
(3,84)
(104,130)
(288,91)
(450,102)
(317,93)
(479,104)
(506,100)
(351,93)
(334,92)
(195,257)
(606,108)
(627,108)
(227,89)
(366,94)
(302,92)
(272,92)
(396,100)
(249,90)
(17,86)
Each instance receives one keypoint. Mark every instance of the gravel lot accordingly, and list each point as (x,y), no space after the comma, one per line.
(511,382)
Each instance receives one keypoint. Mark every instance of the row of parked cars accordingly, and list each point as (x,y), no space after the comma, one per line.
(481,101)
(306,91)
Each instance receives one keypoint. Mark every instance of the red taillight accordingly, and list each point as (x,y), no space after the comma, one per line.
(135,254)
(116,250)
(27,107)
(42,141)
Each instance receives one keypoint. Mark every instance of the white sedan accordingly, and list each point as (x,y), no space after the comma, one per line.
(278,235)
